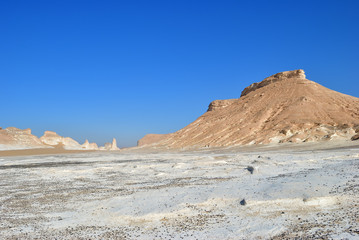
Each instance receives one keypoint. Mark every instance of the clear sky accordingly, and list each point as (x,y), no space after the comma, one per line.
(103,69)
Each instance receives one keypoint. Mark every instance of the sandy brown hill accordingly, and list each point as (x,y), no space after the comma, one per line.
(285,107)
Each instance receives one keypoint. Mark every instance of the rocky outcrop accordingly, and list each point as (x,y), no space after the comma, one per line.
(218,104)
(89,146)
(15,136)
(285,107)
(296,74)
(110,146)
(53,139)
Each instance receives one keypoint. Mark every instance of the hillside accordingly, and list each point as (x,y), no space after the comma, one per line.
(285,107)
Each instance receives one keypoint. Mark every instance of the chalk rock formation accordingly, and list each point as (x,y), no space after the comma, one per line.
(285,107)
(15,136)
(110,146)
(89,146)
(53,139)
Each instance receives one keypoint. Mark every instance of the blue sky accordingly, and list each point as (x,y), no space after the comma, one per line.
(103,69)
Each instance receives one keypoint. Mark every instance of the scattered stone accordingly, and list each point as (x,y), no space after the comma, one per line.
(243,202)
(250,169)
(355,137)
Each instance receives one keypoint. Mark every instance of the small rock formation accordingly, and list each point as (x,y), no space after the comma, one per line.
(89,146)
(53,139)
(285,107)
(355,137)
(110,146)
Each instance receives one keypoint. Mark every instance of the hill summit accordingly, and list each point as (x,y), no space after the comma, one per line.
(285,107)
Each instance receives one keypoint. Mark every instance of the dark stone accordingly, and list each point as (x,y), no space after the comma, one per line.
(283,132)
(243,202)
(355,137)
(250,169)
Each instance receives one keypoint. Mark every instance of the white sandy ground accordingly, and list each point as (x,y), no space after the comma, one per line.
(6,147)
(185,195)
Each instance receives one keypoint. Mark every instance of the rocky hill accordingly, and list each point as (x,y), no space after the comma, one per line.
(285,107)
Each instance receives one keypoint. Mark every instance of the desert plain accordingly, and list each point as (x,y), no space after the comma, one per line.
(280,162)
(288,191)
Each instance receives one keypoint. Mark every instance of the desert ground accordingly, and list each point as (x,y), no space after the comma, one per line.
(302,191)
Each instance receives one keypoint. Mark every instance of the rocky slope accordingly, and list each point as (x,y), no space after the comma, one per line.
(285,107)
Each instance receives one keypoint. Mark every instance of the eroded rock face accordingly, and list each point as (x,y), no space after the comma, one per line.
(15,136)
(285,107)
(296,74)
(53,139)
(218,104)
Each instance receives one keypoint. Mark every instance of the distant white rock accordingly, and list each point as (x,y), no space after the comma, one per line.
(53,139)
(89,146)
(110,146)
(13,138)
